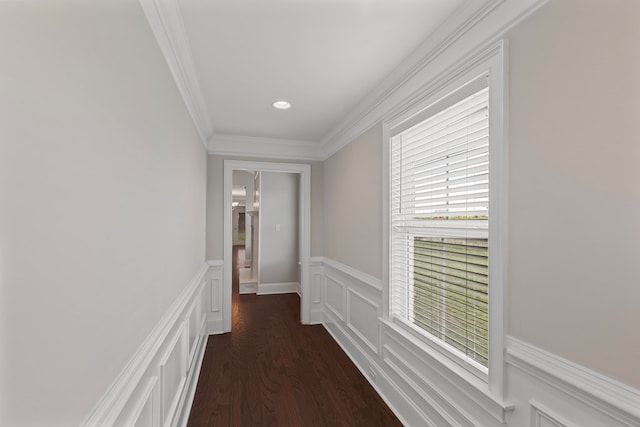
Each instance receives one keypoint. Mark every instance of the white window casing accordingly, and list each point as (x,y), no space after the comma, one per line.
(446,222)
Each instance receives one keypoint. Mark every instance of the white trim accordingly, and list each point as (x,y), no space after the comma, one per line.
(123,389)
(343,289)
(277,288)
(191,351)
(215,286)
(248,288)
(305,230)
(451,373)
(167,25)
(364,115)
(476,24)
(146,395)
(365,278)
(374,346)
(430,389)
(491,60)
(168,414)
(540,412)
(403,408)
(448,381)
(269,148)
(417,382)
(607,395)
(192,379)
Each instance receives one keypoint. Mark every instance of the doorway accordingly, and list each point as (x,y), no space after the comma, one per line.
(304,229)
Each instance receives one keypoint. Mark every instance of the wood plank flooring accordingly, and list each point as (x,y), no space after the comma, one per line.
(273,371)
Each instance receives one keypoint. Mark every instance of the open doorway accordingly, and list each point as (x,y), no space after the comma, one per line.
(243,222)
(267,273)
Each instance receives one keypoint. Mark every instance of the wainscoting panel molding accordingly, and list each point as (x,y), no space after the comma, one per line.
(215,314)
(542,417)
(568,393)
(362,319)
(157,386)
(173,376)
(426,390)
(317,289)
(146,412)
(334,296)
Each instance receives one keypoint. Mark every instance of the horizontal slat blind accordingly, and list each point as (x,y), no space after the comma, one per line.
(439,233)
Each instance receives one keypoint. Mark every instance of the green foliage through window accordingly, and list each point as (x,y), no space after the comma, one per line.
(450,292)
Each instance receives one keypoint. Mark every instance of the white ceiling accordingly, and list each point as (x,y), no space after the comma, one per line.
(324,56)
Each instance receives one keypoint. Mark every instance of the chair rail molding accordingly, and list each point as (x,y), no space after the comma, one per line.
(543,388)
(606,395)
(136,394)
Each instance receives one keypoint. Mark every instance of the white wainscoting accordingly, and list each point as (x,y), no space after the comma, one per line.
(215,291)
(317,285)
(157,386)
(544,389)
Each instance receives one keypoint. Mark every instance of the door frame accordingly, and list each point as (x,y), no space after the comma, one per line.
(304,225)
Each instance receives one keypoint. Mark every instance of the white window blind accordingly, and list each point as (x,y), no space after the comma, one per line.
(439,223)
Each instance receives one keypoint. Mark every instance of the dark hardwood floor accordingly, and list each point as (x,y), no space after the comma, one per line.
(273,371)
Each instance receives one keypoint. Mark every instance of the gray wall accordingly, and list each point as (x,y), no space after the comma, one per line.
(215,172)
(279,237)
(353,204)
(574,193)
(574,199)
(102,188)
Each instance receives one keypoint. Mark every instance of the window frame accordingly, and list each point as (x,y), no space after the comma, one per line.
(491,62)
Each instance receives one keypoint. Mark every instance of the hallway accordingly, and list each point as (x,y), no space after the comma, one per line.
(271,370)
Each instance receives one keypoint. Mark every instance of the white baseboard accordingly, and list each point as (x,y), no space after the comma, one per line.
(277,288)
(402,407)
(248,288)
(317,316)
(544,389)
(215,326)
(143,388)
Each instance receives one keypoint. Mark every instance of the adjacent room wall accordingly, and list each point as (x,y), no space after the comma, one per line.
(102,188)
(353,204)
(215,172)
(279,224)
(575,183)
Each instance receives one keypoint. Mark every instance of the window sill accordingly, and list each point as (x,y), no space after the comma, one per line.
(465,384)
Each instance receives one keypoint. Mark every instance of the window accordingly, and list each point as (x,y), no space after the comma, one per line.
(439,234)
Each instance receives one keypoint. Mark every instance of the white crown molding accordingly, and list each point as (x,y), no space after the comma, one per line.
(249,146)
(618,400)
(473,27)
(167,25)
(475,24)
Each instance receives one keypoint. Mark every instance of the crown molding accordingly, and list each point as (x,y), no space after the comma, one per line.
(167,25)
(269,148)
(474,26)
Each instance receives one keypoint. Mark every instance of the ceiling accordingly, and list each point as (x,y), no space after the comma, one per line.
(323,56)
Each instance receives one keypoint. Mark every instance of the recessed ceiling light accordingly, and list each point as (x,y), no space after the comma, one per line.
(282,105)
